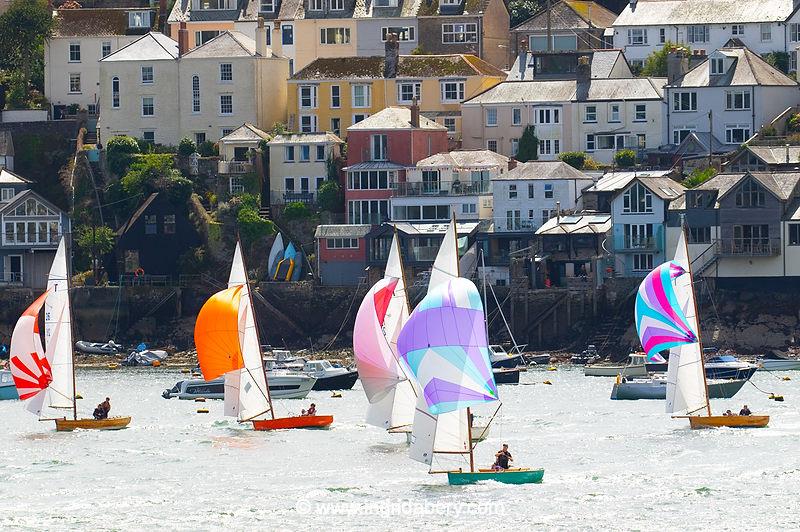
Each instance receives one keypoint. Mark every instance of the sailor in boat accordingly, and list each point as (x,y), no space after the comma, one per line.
(502,458)
(727,413)
(312,410)
(102,410)
(744,411)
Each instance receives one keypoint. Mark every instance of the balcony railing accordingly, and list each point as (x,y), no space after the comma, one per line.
(34,238)
(234,167)
(636,244)
(503,223)
(11,278)
(749,247)
(280,197)
(441,188)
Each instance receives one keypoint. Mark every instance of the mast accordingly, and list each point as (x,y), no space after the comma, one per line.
(402,268)
(696,314)
(469,432)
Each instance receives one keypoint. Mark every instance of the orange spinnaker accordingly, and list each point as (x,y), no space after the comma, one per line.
(216,334)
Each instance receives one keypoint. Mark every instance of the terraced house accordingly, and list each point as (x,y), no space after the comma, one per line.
(334,93)
(205,19)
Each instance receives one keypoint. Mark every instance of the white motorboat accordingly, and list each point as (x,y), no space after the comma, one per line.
(500,358)
(777,362)
(656,388)
(330,377)
(636,368)
(282,385)
(283,359)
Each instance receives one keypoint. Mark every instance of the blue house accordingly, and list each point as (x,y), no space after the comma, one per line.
(638,217)
(31,230)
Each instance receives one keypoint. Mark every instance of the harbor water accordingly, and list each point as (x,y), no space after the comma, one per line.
(621,465)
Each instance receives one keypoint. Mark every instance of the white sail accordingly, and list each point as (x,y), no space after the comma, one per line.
(57,317)
(397,311)
(445,267)
(447,434)
(253,393)
(275,255)
(396,409)
(686,386)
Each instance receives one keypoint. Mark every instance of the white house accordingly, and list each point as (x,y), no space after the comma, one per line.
(457,181)
(298,165)
(762,25)
(80,39)
(730,95)
(528,195)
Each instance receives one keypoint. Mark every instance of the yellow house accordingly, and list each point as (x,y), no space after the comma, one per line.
(331,94)
(315,37)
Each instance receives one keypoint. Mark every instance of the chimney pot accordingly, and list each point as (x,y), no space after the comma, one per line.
(261,39)
(183,39)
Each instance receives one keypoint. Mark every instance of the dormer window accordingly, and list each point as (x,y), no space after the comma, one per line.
(717,65)
(216,4)
(139,19)
(450,2)
(267,6)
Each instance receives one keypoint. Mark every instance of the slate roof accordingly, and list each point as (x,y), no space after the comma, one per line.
(542,170)
(148,47)
(776,154)
(90,22)
(781,184)
(602,63)
(393,118)
(748,69)
(245,132)
(663,187)
(137,214)
(614,181)
(680,12)
(245,10)
(342,231)
(465,159)
(465,7)
(701,140)
(410,66)
(580,223)
(300,138)
(568,15)
(566,91)
(226,44)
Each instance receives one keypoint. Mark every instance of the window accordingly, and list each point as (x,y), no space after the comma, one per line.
(547,116)
(590,113)
(337,5)
(336,125)
(516,116)
(794,234)
(404,33)
(288,154)
(367,211)
(150,224)
(225,132)
(642,262)
(766,32)
(459,33)
(469,208)
(308,123)
(199,137)
(793,61)
(678,135)
(334,36)
(288,184)
(379,149)
(169,224)
(370,180)
(148,106)
(491,117)
(267,6)
(225,72)
(751,238)
(139,19)
(202,37)
(640,112)
(92,109)
(287,35)
(291,67)
(700,235)
(737,30)
(226,104)
(697,34)
(452,91)
(6,194)
(491,145)
(105,49)
(336,96)
(305,153)
(74,83)
(549,146)
(362,95)
(750,194)
(613,112)
(308,96)
(794,32)
(637,37)
(407,91)
(320,181)
(662,35)
(590,142)
(384,3)
(637,199)
(684,101)
(195,94)
(737,100)
(217,4)
(320,152)
(512,191)
(717,65)
(358,117)
(147,74)
(637,236)
(514,146)
(74,52)
(115,93)
(341,243)
(548,191)
(547,214)
(513,220)
(149,136)
(641,141)
(315,5)
(737,134)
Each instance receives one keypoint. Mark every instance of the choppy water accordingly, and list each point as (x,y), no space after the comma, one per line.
(608,465)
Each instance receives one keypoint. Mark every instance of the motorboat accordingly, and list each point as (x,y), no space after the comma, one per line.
(99,348)
(500,358)
(330,377)
(283,359)
(506,375)
(538,360)
(282,385)
(7,388)
(587,356)
(147,357)
(774,361)
(656,388)
(729,367)
(636,367)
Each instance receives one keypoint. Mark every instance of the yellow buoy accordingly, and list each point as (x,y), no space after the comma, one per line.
(156,363)
(774,397)
(185,370)
(787,378)
(78,396)
(199,399)
(112,365)
(547,382)
(552,368)
(336,394)
(202,410)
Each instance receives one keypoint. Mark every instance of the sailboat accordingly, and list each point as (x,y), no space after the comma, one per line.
(45,379)
(382,314)
(226,337)
(666,318)
(445,346)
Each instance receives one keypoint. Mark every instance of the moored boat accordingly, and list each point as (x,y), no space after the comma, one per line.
(98,348)
(500,358)
(329,377)
(734,421)
(777,362)
(534,359)
(296,422)
(110,423)
(632,389)
(7,388)
(506,375)
(634,368)
(282,385)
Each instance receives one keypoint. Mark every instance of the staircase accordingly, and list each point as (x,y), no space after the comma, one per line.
(264,213)
(90,137)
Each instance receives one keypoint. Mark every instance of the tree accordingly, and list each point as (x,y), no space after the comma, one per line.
(151,173)
(655,64)
(119,153)
(92,243)
(251,226)
(576,159)
(23,29)
(186,147)
(296,211)
(779,60)
(522,10)
(625,158)
(329,197)
(699,176)
(528,145)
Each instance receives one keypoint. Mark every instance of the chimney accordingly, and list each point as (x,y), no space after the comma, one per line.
(558,211)
(512,163)
(414,113)
(523,57)
(162,15)
(392,60)
(677,65)
(183,39)
(261,39)
(583,77)
(787,154)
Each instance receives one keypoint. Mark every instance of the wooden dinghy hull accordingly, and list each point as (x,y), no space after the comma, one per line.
(509,476)
(112,423)
(743,422)
(297,422)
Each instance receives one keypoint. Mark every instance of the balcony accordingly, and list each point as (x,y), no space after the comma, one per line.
(234,167)
(33,239)
(503,224)
(640,244)
(280,197)
(441,188)
(749,247)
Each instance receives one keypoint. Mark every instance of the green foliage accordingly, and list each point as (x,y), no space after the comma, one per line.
(119,153)
(251,226)
(528,145)
(179,189)
(279,128)
(793,123)
(207,149)
(247,201)
(778,60)
(522,10)
(699,176)
(150,173)
(333,166)
(655,64)
(23,29)
(251,183)
(576,159)
(100,240)
(768,131)
(296,211)
(625,158)
(590,164)
(193,261)
(186,147)
(329,197)
(420,50)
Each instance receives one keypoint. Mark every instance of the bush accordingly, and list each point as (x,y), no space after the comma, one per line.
(576,159)
(119,153)
(179,189)
(186,147)
(296,211)
(655,64)
(329,197)
(149,173)
(768,131)
(699,176)
(625,158)
(793,123)
(778,60)
(207,149)
(590,164)
(251,226)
